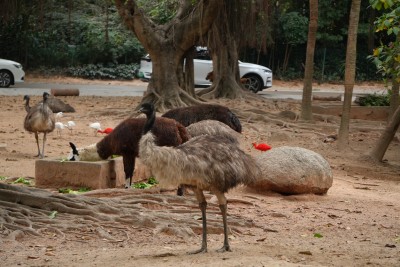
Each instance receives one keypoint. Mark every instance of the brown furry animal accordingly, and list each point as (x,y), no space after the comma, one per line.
(124,140)
(192,114)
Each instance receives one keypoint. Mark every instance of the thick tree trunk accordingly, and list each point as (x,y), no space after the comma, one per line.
(306,109)
(163,89)
(350,71)
(394,98)
(226,74)
(381,146)
(167,45)
(224,49)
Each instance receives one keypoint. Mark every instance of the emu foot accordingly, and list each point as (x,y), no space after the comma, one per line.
(225,248)
(201,250)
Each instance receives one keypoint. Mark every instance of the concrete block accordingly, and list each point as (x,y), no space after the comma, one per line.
(54,173)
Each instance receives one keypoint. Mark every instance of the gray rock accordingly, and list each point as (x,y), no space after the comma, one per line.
(293,170)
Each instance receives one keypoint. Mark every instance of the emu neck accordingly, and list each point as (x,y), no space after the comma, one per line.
(151,118)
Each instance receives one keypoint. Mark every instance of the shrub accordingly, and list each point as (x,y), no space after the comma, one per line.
(374,100)
(108,72)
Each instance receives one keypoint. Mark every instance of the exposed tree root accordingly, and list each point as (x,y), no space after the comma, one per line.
(31,211)
(175,100)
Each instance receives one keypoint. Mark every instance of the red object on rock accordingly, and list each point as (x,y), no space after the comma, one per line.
(105,131)
(262,146)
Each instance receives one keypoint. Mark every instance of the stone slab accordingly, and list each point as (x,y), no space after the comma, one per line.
(54,173)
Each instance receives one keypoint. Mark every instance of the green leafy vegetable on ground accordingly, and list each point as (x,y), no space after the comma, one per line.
(71,191)
(22,180)
(144,185)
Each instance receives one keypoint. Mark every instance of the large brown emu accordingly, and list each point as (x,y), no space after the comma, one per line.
(205,162)
(192,114)
(124,140)
(40,119)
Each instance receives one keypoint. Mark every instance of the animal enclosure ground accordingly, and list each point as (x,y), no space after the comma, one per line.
(356,224)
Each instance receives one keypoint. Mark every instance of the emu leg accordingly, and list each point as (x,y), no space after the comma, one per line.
(223,207)
(226,246)
(203,206)
(37,143)
(129,167)
(44,142)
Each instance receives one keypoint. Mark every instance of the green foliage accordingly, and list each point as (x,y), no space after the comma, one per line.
(22,180)
(142,185)
(374,100)
(70,33)
(98,71)
(387,56)
(2,178)
(294,28)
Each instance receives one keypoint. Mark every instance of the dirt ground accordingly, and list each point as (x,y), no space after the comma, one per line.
(356,224)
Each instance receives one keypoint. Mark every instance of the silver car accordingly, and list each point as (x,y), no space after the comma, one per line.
(11,72)
(257,77)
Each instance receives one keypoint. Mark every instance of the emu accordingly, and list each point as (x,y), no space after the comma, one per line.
(124,140)
(212,127)
(40,119)
(27,99)
(192,114)
(205,162)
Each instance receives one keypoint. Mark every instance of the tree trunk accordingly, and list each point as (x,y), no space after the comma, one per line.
(381,146)
(224,51)
(306,109)
(107,38)
(164,89)
(188,75)
(350,70)
(394,98)
(167,45)
(226,74)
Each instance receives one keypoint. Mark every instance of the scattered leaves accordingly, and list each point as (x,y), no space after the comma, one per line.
(143,185)
(22,180)
(53,214)
(318,235)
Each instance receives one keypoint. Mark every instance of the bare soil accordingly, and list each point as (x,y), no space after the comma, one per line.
(356,224)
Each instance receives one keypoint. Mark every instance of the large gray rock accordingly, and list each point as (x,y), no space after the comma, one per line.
(293,170)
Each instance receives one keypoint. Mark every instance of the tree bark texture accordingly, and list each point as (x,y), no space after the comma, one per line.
(167,45)
(350,70)
(384,140)
(306,109)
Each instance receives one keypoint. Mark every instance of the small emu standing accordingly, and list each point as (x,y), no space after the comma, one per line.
(40,119)
(124,140)
(192,114)
(205,162)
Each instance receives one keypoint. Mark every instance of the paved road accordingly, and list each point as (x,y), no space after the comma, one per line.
(30,88)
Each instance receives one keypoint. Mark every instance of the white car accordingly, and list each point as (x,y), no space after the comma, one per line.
(257,77)
(11,72)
